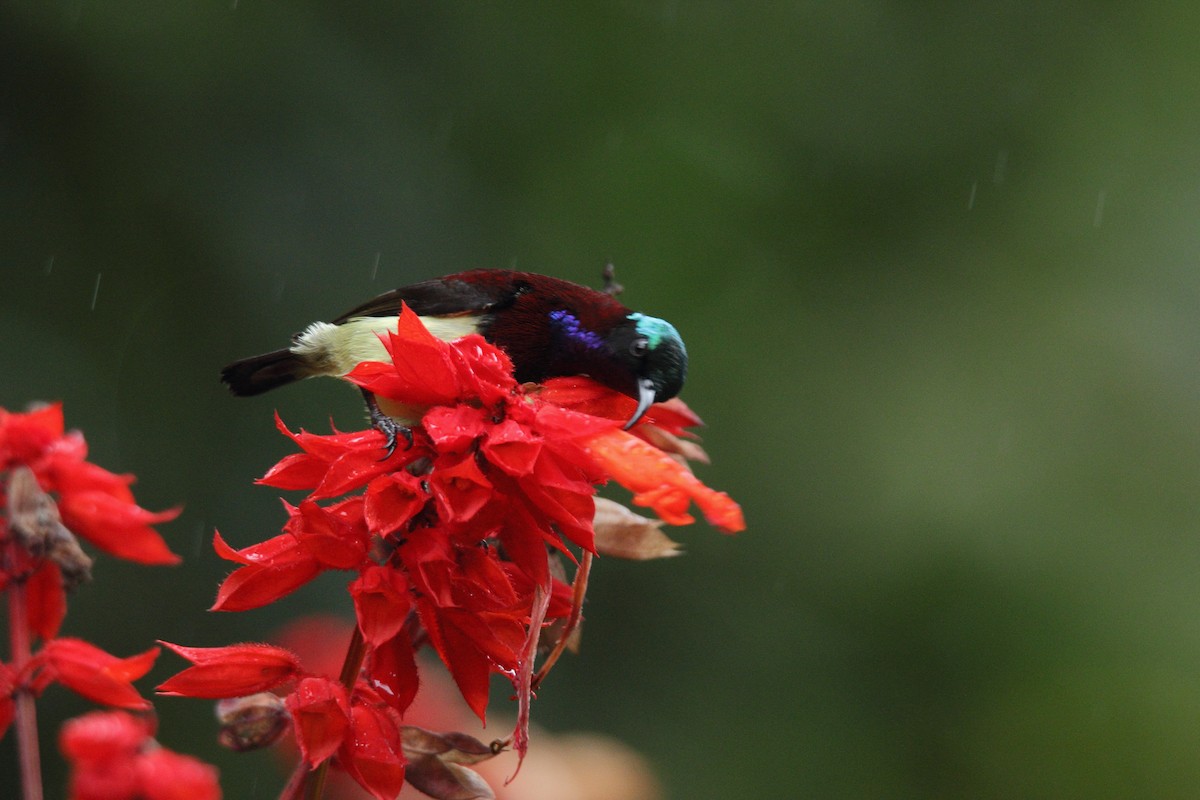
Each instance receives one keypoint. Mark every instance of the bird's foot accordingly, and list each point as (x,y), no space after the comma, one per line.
(390,428)
(392,431)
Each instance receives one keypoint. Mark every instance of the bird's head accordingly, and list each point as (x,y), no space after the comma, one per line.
(652,361)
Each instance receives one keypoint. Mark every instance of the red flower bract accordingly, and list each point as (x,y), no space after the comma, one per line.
(233,671)
(89,671)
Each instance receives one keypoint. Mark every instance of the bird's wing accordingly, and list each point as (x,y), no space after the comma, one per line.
(443,297)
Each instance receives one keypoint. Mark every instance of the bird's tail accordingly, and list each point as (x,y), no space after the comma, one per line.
(259,374)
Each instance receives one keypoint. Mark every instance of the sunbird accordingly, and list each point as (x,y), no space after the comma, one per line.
(549,328)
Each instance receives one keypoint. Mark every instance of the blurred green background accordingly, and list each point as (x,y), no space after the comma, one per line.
(937,266)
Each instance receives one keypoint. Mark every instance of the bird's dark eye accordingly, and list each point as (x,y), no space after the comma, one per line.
(639,346)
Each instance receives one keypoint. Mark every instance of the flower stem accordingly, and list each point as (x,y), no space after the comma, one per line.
(579,591)
(24,710)
(355,653)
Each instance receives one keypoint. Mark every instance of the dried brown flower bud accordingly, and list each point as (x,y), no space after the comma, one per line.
(621,533)
(36,524)
(251,722)
(435,763)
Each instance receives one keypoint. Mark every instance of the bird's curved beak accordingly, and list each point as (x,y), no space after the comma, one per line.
(646,395)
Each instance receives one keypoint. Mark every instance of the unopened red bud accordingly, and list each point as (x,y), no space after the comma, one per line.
(248,723)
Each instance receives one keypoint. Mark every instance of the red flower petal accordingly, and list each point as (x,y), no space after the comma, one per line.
(392,672)
(23,437)
(102,736)
(328,537)
(373,756)
(232,671)
(320,709)
(424,373)
(167,775)
(356,468)
(296,471)
(89,671)
(512,447)
(392,500)
(8,683)
(117,527)
(661,482)
(453,429)
(468,666)
(47,600)
(273,569)
(460,489)
(381,602)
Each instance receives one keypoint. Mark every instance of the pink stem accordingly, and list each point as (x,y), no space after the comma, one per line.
(24,710)
(579,591)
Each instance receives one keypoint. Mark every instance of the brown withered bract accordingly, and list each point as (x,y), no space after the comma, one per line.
(36,524)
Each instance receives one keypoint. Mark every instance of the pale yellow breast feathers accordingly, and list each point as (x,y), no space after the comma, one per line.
(334,350)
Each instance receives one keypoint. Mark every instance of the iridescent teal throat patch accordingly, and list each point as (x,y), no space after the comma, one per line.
(655,329)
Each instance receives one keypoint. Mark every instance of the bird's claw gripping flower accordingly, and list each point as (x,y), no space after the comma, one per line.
(493,462)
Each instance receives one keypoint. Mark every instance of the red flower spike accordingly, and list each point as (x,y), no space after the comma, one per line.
(381,602)
(373,755)
(89,671)
(232,671)
(662,483)
(320,709)
(461,520)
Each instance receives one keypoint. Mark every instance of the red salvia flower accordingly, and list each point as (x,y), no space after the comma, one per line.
(232,671)
(89,671)
(113,756)
(95,503)
(320,709)
(449,539)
